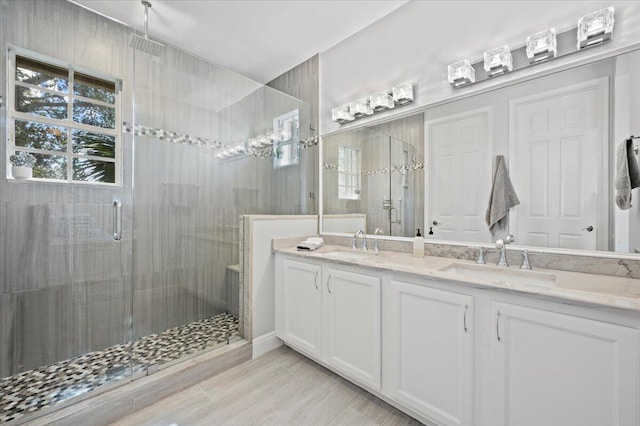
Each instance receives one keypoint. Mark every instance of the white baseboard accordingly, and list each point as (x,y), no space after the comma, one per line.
(265,343)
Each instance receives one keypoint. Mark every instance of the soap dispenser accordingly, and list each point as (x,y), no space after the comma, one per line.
(418,245)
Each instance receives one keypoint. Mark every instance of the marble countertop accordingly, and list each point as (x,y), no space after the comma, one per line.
(591,289)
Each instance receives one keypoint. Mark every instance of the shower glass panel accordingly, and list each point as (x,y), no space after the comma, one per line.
(65,289)
(203,157)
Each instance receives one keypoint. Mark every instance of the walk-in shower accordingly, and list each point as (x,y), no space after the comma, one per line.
(120,257)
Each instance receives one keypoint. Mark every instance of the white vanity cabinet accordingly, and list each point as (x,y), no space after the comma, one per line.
(429,348)
(333,315)
(451,353)
(557,370)
(300,324)
(353,319)
(430,351)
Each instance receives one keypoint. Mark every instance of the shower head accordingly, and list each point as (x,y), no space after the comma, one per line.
(145,44)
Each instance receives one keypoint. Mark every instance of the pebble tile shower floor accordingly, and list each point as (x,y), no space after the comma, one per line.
(42,387)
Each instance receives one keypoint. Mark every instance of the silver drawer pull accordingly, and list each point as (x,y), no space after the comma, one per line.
(498,326)
(328,288)
(315,280)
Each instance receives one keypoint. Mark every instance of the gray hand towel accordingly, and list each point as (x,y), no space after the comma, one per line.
(502,197)
(627,174)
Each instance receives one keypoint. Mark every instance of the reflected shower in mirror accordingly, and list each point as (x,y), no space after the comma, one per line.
(373,178)
(558,134)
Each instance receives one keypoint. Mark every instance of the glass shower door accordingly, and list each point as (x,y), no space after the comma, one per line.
(66,295)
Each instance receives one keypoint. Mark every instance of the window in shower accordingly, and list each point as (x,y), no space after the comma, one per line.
(348,173)
(66,118)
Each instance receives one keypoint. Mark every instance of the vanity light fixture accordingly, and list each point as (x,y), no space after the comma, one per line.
(360,108)
(381,102)
(402,93)
(498,61)
(595,28)
(399,95)
(342,114)
(461,73)
(542,46)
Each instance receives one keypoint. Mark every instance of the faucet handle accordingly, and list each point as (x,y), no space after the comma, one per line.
(375,241)
(480,260)
(509,239)
(525,260)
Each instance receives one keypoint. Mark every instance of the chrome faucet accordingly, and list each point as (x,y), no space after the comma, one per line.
(525,260)
(378,231)
(501,245)
(362,234)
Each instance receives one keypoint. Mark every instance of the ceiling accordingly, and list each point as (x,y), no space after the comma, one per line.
(260,39)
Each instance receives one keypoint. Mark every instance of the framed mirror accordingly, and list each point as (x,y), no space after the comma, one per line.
(559,135)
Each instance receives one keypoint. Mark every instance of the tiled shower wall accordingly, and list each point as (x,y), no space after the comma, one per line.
(62,296)
(302,82)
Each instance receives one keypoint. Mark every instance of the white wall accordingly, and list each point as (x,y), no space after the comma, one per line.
(262,229)
(417,41)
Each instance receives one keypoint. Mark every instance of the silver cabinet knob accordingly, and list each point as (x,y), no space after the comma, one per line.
(588,228)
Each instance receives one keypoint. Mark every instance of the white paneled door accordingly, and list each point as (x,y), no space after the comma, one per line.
(560,370)
(557,144)
(353,314)
(302,307)
(430,352)
(458,161)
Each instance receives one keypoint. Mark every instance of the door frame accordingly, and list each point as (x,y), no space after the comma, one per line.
(428,154)
(603,211)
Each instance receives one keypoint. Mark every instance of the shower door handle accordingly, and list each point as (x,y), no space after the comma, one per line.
(117,220)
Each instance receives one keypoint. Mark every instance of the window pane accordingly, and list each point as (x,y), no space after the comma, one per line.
(38,102)
(94,115)
(43,75)
(94,88)
(87,170)
(50,167)
(41,136)
(89,143)
(341,192)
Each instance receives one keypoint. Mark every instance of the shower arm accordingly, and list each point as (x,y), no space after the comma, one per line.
(147,5)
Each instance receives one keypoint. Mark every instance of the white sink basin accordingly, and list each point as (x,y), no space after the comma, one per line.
(501,275)
(348,255)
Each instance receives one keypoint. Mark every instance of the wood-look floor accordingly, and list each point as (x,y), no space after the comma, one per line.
(278,388)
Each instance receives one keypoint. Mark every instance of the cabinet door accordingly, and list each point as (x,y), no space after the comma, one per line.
(560,370)
(430,351)
(302,307)
(353,314)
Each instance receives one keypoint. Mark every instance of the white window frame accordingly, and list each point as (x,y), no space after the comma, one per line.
(68,123)
(349,170)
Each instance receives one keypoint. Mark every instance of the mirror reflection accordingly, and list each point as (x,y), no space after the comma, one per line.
(559,136)
(374,178)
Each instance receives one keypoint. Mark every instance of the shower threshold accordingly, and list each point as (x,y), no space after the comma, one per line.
(37,390)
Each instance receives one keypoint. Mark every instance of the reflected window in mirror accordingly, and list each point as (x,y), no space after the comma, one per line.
(349,162)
